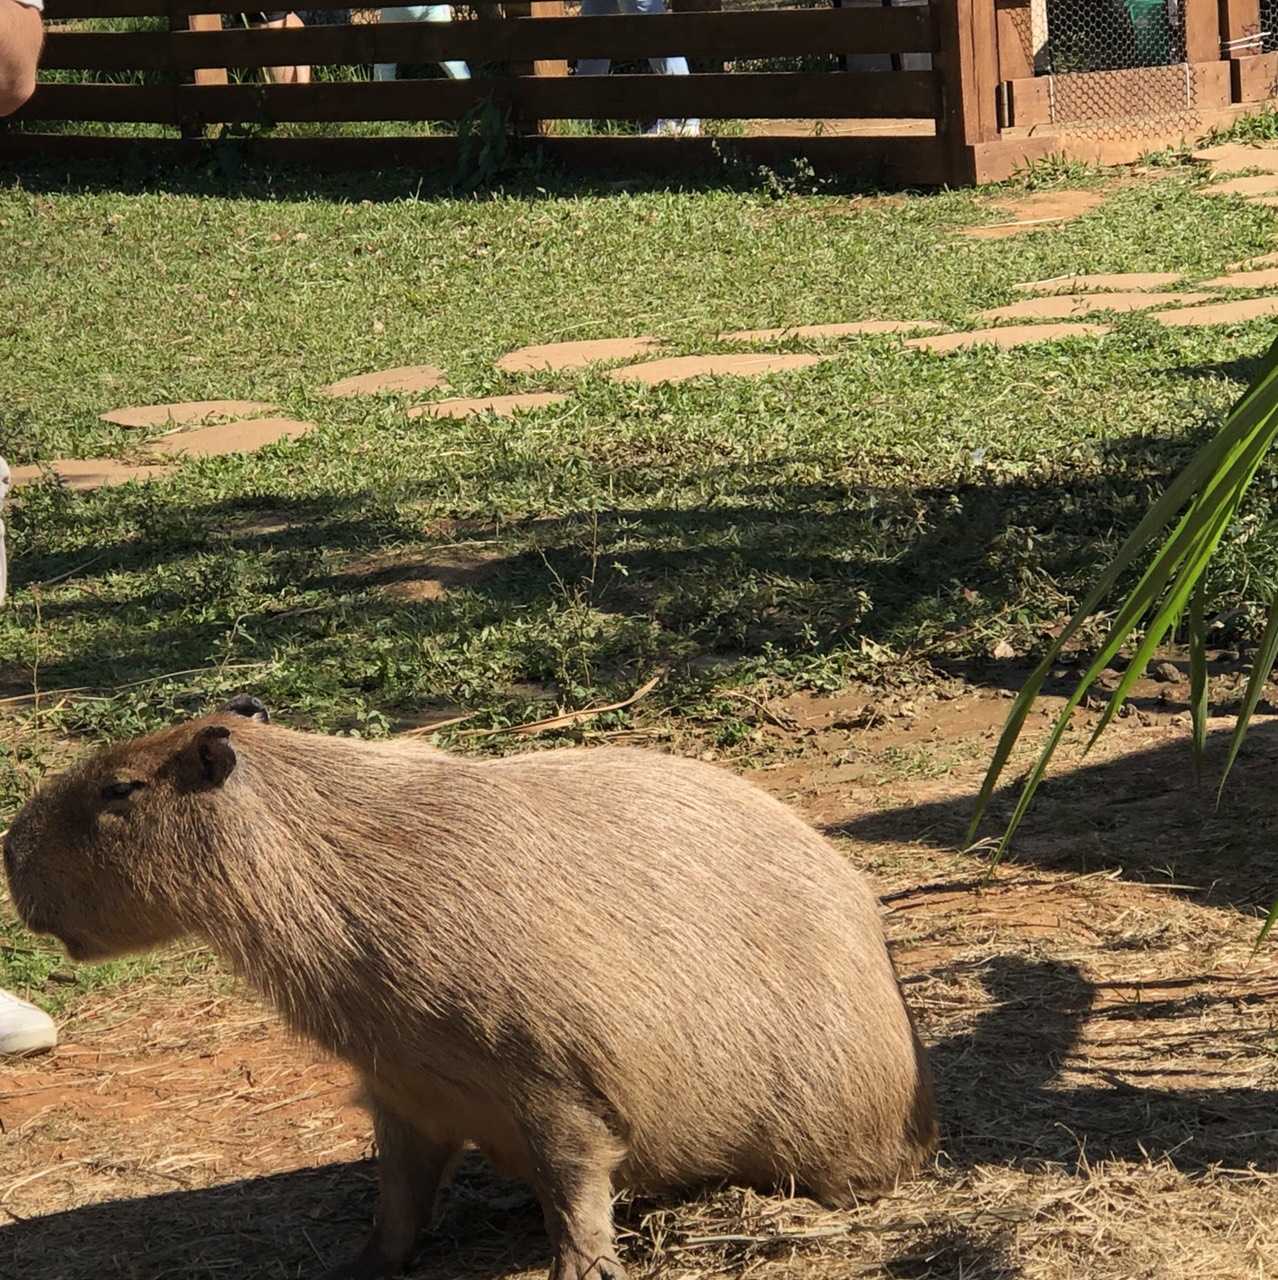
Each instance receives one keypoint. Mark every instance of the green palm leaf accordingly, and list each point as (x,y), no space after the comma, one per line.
(1198,505)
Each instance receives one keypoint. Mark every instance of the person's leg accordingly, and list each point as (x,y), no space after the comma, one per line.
(420,13)
(595,9)
(285,75)
(667,66)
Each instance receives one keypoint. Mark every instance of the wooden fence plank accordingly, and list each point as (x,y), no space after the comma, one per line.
(58,10)
(763,33)
(1240,27)
(1202,30)
(1255,79)
(894,95)
(118,103)
(1030,99)
(1015,58)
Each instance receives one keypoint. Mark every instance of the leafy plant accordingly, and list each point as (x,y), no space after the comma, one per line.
(1198,507)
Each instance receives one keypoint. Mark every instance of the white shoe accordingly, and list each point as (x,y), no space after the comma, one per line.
(23,1027)
(674,129)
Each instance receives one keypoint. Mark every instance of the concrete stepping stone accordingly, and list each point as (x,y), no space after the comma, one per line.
(90,473)
(1219,313)
(1103,282)
(407,377)
(1254,264)
(560,356)
(1006,336)
(1234,157)
(1065,306)
(681,368)
(854,328)
(1261,184)
(502,406)
(184,413)
(230,437)
(1262,279)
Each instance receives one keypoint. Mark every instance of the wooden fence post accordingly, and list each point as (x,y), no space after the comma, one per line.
(968,62)
(1015,39)
(1253,73)
(540,66)
(1240,27)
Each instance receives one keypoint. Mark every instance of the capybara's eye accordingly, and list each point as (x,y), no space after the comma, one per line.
(121,790)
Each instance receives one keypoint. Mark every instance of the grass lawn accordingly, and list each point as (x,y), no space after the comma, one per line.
(881,523)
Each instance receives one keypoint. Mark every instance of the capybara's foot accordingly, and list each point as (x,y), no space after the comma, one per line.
(574,1264)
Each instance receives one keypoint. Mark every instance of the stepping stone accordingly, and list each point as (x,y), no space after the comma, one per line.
(1007,336)
(502,406)
(681,368)
(1233,157)
(1245,280)
(1269,202)
(559,356)
(408,377)
(90,473)
(1254,264)
(184,413)
(1101,282)
(855,328)
(1261,184)
(231,437)
(1220,313)
(1065,306)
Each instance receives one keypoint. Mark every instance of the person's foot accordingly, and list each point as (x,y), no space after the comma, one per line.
(23,1027)
(674,129)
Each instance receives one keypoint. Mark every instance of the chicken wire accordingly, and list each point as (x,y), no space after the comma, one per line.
(1266,40)
(1116,68)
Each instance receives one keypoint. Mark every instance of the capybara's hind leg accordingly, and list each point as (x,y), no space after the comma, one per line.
(411,1170)
(573,1157)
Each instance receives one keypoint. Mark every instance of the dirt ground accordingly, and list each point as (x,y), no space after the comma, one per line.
(1104,1044)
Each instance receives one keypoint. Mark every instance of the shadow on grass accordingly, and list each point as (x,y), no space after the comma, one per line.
(771,568)
(229,170)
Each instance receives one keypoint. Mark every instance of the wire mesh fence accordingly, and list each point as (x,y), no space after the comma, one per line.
(1116,67)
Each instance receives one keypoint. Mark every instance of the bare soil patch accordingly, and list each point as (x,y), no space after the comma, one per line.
(1034,212)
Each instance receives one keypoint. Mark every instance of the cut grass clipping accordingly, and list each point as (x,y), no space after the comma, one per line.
(1207,493)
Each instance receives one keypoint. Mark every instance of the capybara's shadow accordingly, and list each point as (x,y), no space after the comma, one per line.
(295,1225)
(1002,1100)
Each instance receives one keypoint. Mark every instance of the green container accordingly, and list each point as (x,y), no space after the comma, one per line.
(1152,32)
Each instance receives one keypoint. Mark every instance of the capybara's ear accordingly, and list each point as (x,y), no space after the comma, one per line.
(245,704)
(211,755)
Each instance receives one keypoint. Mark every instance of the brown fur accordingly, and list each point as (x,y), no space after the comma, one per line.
(605,967)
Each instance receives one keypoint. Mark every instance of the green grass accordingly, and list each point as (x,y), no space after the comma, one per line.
(807,530)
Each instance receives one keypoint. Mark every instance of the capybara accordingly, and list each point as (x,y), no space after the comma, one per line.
(603,967)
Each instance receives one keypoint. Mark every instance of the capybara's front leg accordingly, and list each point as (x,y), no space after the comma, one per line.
(412,1168)
(573,1158)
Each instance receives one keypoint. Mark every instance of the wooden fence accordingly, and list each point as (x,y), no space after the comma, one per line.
(979,113)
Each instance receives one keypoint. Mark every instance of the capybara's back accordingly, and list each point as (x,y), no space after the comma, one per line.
(719,973)
(602,967)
